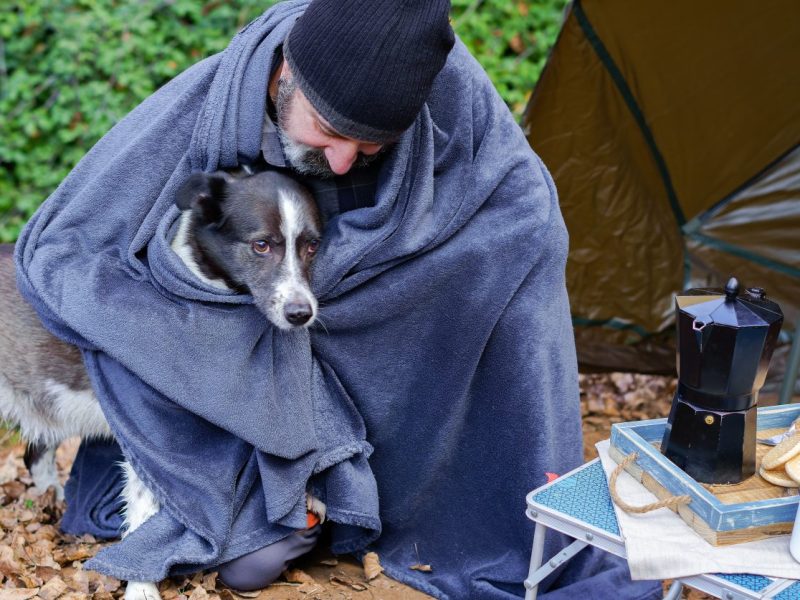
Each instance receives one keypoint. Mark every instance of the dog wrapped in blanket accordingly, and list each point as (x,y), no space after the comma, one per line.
(251,233)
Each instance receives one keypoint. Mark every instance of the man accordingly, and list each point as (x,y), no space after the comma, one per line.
(441,282)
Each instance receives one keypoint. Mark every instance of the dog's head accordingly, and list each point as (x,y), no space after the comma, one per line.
(258,234)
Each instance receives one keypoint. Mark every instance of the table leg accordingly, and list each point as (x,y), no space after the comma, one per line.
(792,368)
(675,591)
(531,589)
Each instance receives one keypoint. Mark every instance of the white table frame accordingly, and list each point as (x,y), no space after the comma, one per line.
(589,535)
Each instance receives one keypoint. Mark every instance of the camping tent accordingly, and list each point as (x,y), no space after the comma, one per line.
(672,130)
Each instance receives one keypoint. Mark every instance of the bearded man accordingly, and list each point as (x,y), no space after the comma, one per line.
(445,322)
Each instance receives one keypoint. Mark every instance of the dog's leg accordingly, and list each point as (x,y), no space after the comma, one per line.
(142,590)
(316,506)
(140,505)
(40,461)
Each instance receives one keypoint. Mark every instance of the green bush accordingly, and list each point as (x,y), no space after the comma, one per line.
(511,40)
(69,70)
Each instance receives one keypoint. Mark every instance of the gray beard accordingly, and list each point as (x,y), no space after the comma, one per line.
(305,159)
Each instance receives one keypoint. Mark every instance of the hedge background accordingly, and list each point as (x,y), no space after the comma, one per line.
(69,70)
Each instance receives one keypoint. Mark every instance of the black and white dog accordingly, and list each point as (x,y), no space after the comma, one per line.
(254,233)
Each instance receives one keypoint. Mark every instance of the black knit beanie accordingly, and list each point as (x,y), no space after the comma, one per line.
(367,66)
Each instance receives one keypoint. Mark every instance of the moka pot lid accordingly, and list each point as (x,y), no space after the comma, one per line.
(727,307)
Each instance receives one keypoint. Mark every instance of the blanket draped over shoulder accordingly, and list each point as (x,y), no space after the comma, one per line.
(446,355)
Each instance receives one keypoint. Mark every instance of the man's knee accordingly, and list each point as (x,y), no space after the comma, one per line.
(260,568)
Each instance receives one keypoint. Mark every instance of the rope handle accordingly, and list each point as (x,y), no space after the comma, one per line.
(672,502)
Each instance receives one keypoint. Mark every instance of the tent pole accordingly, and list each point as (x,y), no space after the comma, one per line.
(792,365)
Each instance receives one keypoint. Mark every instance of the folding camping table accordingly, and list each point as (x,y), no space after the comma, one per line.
(578,504)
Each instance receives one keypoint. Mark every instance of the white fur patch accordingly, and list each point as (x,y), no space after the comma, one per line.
(142,590)
(140,503)
(180,245)
(292,286)
(316,506)
(45,474)
(15,407)
(59,414)
(78,411)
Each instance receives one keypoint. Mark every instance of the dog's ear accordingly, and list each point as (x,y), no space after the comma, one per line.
(206,192)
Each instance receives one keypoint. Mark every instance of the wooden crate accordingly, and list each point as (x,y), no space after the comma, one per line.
(721,514)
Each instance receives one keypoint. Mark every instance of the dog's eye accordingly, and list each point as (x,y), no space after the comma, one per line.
(313,246)
(260,247)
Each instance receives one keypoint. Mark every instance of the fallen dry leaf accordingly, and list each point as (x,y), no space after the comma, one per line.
(329,562)
(102,583)
(423,568)
(14,489)
(71,553)
(33,527)
(171,593)
(8,564)
(53,589)
(47,532)
(297,576)
(241,594)
(226,595)
(8,469)
(344,579)
(78,581)
(47,573)
(372,565)
(198,593)
(74,596)
(209,581)
(18,594)
(311,589)
(29,581)
(40,554)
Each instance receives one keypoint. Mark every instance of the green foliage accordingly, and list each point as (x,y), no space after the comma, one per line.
(511,39)
(70,69)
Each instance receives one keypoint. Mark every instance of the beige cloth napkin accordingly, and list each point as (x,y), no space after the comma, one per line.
(660,545)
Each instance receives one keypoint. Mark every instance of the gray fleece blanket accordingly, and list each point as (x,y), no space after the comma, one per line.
(447,345)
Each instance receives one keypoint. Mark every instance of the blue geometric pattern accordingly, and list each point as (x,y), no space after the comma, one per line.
(583,495)
(750,582)
(790,593)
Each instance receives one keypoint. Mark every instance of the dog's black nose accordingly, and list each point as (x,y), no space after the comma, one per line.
(297,313)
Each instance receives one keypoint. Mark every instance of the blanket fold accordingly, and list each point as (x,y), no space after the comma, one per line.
(446,348)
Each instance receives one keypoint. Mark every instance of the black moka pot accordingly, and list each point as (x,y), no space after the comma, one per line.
(725,342)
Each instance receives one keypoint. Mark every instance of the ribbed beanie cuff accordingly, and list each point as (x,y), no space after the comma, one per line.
(367,66)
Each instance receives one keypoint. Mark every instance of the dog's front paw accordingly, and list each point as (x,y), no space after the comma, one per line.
(142,590)
(316,506)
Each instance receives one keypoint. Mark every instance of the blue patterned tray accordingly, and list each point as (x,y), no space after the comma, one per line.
(717,522)
(582,495)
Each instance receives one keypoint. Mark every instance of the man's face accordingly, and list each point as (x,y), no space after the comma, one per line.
(311,145)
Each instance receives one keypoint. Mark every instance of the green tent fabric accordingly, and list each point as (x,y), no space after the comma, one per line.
(672,130)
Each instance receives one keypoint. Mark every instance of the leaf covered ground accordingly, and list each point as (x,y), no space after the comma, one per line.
(38,561)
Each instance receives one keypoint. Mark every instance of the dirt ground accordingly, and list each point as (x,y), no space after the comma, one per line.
(36,560)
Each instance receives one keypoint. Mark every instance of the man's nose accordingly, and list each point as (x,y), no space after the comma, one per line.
(341,154)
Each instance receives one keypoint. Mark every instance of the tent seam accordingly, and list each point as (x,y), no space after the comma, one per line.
(633,106)
(735,250)
(700,219)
